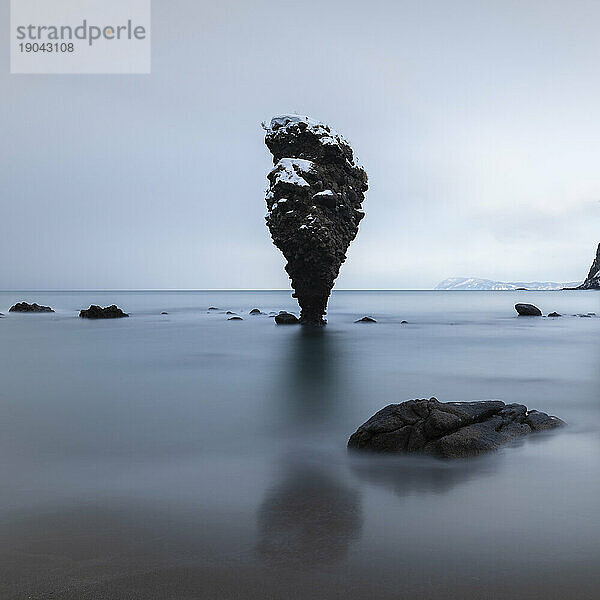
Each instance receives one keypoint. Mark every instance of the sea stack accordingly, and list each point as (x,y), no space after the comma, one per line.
(592,281)
(314,206)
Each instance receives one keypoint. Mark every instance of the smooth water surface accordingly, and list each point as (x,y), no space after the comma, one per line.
(187,456)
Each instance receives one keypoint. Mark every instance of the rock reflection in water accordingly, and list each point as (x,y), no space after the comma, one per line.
(312,516)
(406,475)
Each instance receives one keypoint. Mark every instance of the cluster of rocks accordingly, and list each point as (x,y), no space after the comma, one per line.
(448,429)
(314,206)
(530,310)
(24,307)
(97,312)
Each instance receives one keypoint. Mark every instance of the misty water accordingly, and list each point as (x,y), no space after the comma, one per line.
(188,456)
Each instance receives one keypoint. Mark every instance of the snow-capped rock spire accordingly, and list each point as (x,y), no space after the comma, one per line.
(314,205)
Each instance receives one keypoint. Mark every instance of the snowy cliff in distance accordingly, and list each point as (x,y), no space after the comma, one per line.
(472,283)
(592,281)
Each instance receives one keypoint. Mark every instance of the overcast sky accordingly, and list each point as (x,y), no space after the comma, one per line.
(478,124)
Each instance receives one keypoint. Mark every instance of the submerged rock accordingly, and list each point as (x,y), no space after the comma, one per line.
(448,429)
(286,318)
(592,281)
(30,308)
(212,308)
(164,313)
(314,206)
(255,311)
(528,310)
(97,312)
(554,314)
(366,320)
(235,318)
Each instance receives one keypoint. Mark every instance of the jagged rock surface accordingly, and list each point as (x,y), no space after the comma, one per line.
(314,205)
(592,281)
(448,429)
(35,308)
(97,312)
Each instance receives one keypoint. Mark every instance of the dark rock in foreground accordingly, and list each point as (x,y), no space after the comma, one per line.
(528,310)
(592,281)
(314,206)
(31,308)
(97,312)
(286,318)
(366,320)
(448,429)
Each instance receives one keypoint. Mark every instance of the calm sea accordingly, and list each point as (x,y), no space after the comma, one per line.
(185,456)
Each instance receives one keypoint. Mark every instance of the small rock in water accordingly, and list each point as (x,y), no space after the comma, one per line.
(164,313)
(229,312)
(34,308)
(448,429)
(555,314)
(236,318)
(528,310)
(366,320)
(212,308)
(286,318)
(255,311)
(97,312)
(403,322)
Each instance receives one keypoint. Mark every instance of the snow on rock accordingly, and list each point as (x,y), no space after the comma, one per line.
(286,127)
(288,170)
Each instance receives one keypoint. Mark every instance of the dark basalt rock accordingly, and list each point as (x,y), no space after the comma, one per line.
(97,312)
(23,307)
(285,318)
(314,200)
(366,320)
(554,314)
(448,429)
(528,310)
(236,318)
(592,281)
(255,311)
